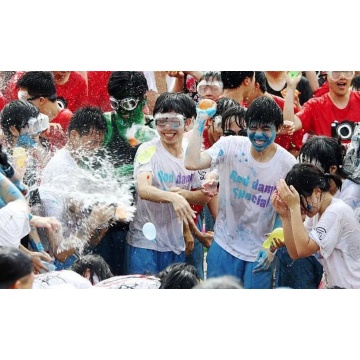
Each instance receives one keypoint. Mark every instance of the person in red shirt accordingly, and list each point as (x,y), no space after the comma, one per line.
(318,114)
(39,88)
(71,86)
(98,95)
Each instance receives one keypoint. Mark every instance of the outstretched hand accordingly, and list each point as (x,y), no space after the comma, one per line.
(288,194)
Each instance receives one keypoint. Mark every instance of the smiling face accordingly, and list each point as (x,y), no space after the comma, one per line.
(261,137)
(339,81)
(170,127)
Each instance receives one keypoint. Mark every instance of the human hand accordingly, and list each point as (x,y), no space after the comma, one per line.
(205,238)
(101,215)
(189,243)
(210,187)
(287,128)
(54,127)
(276,243)
(177,74)
(279,205)
(264,259)
(289,195)
(292,81)
(46,222)
(36,258)
(182,208)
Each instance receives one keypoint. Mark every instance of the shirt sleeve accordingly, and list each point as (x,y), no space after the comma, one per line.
(327,233)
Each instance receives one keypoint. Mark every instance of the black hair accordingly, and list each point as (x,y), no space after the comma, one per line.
(17,113)
(14,265)
(238,112)
(87,118)
(325,150)
(233,79)
(260,78)
(123,84)
(214,75)
(225,103)
(95,263)
(355,82)
(264,111)
(179,276)
(178,102)
(39,83)
(220,282)
(306,177)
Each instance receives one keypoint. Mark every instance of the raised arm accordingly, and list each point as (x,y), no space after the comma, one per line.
(288,112)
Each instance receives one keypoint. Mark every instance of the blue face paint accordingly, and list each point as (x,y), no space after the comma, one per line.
(309,207)
(26,140)
(266,134)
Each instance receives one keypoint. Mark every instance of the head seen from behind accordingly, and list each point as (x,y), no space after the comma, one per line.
(16,269)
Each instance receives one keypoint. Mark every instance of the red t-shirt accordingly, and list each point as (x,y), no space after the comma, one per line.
(11,92)
(98,89)
(289,142)
(57,139)
(322,90)
(317,114)
(74,91)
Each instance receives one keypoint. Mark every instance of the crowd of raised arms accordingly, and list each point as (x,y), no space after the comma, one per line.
(180,179)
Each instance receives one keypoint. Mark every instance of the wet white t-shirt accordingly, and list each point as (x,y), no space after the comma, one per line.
(338,235)
(245,210)
(167,171)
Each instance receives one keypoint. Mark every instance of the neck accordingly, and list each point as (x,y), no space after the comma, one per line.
(236,94)
(264,156)
(341,101)
(174,149)
(51,109)
(325,202)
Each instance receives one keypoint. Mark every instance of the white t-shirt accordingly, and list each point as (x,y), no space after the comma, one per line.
(338,235)
(350,193)
(129,282)
(167,171)
(61,279)
(14,225)
(245,210)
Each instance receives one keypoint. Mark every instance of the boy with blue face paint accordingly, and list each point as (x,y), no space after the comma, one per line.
(248,168)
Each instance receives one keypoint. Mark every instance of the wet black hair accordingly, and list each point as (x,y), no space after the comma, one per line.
(260,78)
(233,79)
(325,150)
(39,83)
(264,111)
(306,177)
(179,276)
(355,82)
(87,118)
(175,102)
(95,263)
(238,112)
(17,113)
(123,84)
(214,75)
(14,265)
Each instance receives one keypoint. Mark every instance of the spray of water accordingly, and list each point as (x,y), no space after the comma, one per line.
(96,182)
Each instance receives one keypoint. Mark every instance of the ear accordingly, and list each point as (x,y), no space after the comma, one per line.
(74,135)
(246,81)
(333,169)
(87,274)
(14,131)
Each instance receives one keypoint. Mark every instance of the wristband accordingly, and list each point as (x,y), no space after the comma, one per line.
(30,217)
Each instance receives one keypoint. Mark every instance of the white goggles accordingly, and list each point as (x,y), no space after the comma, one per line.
(173,120)
(38,125)
(336,75)
(214,87)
